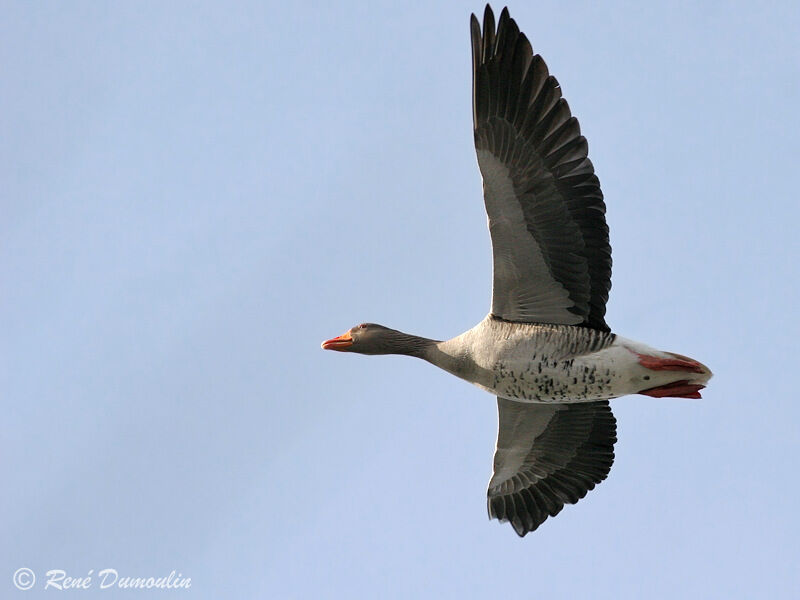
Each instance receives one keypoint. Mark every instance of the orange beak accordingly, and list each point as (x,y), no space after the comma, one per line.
(338,343)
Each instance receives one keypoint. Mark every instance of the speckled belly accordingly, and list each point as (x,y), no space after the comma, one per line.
(608,373)
(552,380)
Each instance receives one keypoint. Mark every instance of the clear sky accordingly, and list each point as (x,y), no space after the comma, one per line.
(195,195)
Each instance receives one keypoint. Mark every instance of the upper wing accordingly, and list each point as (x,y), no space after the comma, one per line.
(552,259)
(548,455)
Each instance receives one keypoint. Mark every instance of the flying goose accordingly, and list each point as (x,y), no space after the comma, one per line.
(544,349)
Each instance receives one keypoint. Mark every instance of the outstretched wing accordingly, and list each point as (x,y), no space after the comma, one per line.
(548,455)
(552,259)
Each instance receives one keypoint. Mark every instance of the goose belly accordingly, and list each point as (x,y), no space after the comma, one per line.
(526,374)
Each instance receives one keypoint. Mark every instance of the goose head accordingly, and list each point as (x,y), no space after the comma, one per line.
(370,338)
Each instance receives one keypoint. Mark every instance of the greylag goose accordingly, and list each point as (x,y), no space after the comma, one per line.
(544,349)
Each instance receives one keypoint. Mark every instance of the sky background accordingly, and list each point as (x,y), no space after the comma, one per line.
(195,195)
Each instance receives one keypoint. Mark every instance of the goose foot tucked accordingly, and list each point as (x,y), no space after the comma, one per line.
(679,363)
(676,389)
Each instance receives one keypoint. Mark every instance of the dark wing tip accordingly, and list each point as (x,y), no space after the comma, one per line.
(488,19)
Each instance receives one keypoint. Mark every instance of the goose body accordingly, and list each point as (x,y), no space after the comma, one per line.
(543,363)
(545,349)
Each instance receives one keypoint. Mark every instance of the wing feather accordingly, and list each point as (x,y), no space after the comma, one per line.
(548,455)
(552,258)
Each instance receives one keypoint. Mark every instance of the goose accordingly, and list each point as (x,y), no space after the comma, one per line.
(544,349)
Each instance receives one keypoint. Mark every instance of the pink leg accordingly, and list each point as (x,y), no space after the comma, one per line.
(677,389)
(679,363)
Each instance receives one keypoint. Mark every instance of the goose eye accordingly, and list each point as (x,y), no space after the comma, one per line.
(362,326)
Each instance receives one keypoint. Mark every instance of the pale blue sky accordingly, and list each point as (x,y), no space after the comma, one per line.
(195,195)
